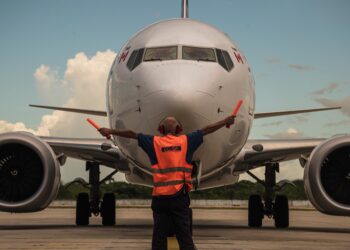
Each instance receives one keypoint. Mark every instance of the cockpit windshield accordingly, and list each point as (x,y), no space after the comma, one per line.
(198,54)
(222,57)
(161,54)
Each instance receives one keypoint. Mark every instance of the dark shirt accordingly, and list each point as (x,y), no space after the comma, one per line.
(194,140)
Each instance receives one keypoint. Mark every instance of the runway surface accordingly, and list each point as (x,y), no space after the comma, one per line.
(54,228)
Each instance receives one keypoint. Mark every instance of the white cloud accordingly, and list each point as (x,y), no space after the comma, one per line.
(291,133)
(84,85)
(343,103)
(47,123)
(10,127)
(300,67)
(50,87)
(326,90)
(86,80)
(45,76)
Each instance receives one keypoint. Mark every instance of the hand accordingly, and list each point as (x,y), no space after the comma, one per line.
(230,120)
(105,132)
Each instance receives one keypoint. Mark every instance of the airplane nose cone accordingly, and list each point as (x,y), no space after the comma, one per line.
(181,89)
(185,105)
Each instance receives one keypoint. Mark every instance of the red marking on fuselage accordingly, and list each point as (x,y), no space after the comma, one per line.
(238,57)
(123,56)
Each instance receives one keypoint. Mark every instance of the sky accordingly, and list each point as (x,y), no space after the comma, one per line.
(60,52)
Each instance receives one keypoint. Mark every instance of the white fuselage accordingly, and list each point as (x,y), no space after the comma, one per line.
(197,93)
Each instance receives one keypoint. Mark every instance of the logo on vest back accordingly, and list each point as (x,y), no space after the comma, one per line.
(171,148)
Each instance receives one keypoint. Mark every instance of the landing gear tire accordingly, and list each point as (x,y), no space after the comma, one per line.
(281,211)
(255,211)
(82,211)
(108,209)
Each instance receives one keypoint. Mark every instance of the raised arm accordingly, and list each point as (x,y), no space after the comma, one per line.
(213,127)
(127,133)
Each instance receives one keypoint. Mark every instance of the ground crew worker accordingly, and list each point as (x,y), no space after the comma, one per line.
(171,157)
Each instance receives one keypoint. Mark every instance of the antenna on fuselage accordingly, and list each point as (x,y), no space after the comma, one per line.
(184,11)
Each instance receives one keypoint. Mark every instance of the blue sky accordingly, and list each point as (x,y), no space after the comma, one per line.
(298,51)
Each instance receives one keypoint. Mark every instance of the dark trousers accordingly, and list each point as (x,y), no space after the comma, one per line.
(176,211)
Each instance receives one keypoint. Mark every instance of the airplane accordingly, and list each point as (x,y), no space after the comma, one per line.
(197,73)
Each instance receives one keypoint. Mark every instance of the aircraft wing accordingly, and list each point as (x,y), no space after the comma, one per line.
(98,150)
(256,116)
(257,153)
(291,112)
(73,110)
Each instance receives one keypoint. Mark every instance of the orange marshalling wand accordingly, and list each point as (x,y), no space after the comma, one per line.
(96,126)
(235,111)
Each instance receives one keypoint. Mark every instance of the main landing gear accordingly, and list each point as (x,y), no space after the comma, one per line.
(273,206)
(88,204)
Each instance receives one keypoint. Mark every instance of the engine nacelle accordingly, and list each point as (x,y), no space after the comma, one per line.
(29,173)
(327,176)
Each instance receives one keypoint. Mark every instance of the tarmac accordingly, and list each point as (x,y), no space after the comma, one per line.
(54,228)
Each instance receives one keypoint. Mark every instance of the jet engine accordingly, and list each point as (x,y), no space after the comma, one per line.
(327,176)
(29,173)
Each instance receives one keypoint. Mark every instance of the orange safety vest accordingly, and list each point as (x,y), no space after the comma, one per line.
(172,171)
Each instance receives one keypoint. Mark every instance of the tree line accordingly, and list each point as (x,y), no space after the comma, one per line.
(239,191)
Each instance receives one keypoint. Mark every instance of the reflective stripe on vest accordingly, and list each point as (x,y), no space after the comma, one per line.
(172,171)
(169,183)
